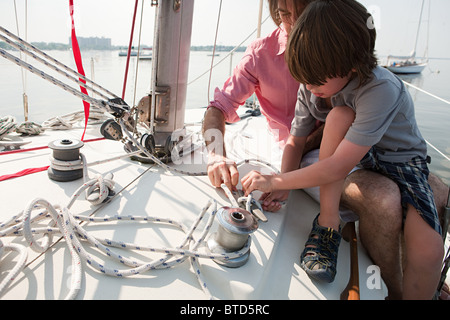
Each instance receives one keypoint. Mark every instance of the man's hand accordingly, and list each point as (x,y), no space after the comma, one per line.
(221,170)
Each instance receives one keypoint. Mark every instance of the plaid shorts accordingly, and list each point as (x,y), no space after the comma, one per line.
(412,179)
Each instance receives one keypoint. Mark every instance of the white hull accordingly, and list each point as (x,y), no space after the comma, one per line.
(413,69)
(145,57)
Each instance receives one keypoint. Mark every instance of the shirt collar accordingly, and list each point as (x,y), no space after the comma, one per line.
(282,40)
(319,103)
(338,98)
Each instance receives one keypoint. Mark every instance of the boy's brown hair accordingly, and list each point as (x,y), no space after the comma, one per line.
(331,39)
(273,9)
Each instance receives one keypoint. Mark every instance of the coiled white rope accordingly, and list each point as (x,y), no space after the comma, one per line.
(63,222)
(8,124)
(67,121)
(23,254)
(67,225)
(29,128)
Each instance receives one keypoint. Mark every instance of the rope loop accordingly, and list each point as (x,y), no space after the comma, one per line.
(29,128)
(7,125)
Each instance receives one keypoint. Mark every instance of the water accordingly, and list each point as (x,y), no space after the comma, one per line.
(107,69)
(46,100)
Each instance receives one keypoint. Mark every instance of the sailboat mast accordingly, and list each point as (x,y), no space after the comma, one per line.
(171,48)
(418,30)
(258,34)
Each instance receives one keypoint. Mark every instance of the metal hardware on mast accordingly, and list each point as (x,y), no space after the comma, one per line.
(171,49)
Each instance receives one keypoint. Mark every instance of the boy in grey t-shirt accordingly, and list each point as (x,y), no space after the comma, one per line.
(369,121)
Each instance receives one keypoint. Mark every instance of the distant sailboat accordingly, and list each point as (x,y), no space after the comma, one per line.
(408,64)
(124,52)
(146,54)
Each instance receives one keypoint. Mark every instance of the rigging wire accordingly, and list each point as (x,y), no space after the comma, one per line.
(229,53)
(244,40)
(438,98)
(24,74)
(28,48)
(214,50)
(55,65)
(139,52)
(129,50)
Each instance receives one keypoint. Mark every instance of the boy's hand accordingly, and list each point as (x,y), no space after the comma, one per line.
(272,201)
(256,181)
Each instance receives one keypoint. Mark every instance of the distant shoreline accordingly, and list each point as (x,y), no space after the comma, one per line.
(62,46)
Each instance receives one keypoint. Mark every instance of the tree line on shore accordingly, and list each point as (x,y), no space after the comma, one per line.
(62,46)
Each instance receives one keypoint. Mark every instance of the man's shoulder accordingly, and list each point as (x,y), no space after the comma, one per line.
(270,42)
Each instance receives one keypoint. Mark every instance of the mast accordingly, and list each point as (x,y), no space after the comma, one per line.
(413,54)
(171,50)
(258,34)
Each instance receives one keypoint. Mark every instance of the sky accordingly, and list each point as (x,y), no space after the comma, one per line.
(49,21)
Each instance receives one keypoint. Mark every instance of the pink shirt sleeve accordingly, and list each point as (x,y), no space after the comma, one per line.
(263,71)
(237,89)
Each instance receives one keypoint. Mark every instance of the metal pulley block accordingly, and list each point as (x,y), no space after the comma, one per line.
(111,130)
(233,234)
(117,106)
(148,142)
(162,153)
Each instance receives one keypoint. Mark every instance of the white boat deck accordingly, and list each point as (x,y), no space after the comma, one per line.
(272,272)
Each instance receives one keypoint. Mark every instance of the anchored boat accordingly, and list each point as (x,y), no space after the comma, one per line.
(408,64)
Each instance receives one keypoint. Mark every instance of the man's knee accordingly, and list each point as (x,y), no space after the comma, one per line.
(368,190)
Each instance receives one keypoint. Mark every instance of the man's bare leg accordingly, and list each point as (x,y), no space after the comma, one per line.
(376,200)
(424,252)
(441,192)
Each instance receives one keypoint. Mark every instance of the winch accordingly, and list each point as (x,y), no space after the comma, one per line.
(233,234)
(67,153)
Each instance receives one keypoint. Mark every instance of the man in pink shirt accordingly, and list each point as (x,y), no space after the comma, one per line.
(263,71)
